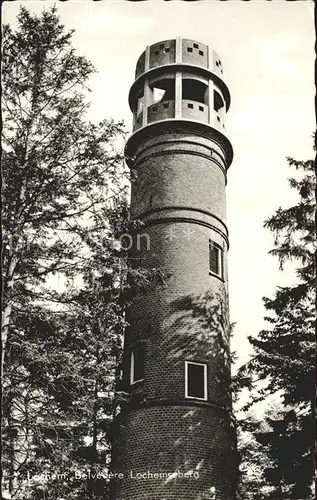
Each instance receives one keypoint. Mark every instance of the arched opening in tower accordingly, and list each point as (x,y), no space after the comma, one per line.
(163,90)
(194,90)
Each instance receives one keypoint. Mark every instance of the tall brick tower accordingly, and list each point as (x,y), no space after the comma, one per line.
(175,438)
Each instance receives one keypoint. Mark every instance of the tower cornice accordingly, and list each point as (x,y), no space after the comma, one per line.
(211,406)
(173,125)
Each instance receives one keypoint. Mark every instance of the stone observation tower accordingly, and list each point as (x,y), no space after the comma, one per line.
(175,439)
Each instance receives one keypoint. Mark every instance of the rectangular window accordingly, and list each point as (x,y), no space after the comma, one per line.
(195,380)
(215,259)
(137,365)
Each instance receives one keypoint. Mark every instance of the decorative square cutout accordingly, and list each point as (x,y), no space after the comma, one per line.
(191,106)
(201,108)
(200,52)
(195,45)
(189,49)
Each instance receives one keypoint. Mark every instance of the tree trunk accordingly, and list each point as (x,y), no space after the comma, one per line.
(7,312)
(18,447)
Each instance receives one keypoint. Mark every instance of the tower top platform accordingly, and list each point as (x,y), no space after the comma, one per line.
(179,50)
(179,82)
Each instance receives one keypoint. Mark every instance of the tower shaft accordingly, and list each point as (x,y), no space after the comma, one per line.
(175,438)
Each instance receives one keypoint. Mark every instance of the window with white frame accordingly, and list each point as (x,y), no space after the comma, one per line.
(215,259)
(195,380)
(137,365)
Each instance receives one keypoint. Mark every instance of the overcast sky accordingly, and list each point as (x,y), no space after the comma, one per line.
(267,53)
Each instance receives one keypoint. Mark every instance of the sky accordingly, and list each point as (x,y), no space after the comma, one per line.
(267,50)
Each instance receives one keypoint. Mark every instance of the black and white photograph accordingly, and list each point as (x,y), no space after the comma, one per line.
(158,250)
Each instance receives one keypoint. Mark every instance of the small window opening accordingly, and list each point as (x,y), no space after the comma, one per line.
(189,49)
(201,108)
(194,90)
(195,45)
(195,380)
(218,118)
(137,365)
(190,105)
(215,259)
(167,49)
(200,52)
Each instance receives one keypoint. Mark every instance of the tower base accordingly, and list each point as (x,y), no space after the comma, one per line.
(185,453)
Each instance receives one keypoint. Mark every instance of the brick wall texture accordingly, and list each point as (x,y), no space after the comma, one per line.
(170,441)
(179,194)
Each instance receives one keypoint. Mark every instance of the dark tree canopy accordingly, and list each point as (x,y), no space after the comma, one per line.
(64,201)
(283,361)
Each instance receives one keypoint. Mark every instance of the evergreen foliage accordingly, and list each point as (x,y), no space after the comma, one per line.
(64,272)
(283,363)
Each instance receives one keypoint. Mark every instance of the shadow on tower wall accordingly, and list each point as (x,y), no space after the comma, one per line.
(183,437)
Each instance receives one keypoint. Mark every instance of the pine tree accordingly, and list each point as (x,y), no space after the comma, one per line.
(284,353)
(57,166)
(67,279)
(62,176)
